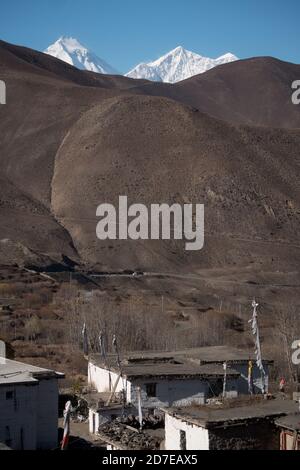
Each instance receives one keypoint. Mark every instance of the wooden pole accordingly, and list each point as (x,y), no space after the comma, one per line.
(113,390)
(224,379)
(139,396)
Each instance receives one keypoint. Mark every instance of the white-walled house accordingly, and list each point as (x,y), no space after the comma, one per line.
(101,413)
(248,427)
(237,359)
(28,406)
(165,379)
(160,379)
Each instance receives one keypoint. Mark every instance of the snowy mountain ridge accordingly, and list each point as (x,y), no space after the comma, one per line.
(70,50)
(178,65)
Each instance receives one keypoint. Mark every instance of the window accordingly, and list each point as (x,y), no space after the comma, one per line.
(151,390)
(182,440)
(9,395)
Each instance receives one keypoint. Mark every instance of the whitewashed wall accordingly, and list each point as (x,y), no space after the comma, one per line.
(47,414)
(33,410)
(97,418)
(197,438)
(103,380)
(170,392)
(17,414)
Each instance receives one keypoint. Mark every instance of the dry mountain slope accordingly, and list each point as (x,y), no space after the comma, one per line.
(253,91)
(248,179)
(72,139)
(45,97)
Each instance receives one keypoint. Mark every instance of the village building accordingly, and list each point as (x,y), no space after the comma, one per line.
(156,379)
(239,360)
(289,427)
(168,378)
(249,426)
(104,408)
(28,406)
(164,379)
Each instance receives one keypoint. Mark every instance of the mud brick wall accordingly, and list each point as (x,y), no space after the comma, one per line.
(255,436)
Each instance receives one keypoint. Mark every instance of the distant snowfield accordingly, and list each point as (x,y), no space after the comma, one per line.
(178,64)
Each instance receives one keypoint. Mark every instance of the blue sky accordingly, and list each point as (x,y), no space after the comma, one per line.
(126,32)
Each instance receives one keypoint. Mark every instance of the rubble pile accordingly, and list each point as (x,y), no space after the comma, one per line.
(150,421)
(124,437)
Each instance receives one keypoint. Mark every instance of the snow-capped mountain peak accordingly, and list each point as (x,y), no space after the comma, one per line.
(70,50)
(178,65)
(228,56)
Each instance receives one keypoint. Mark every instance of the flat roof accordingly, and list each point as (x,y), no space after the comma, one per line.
(97,400)
(291,422)
(222,354)
(180,363)
(161,366)
(209,417)
(14,372)
(199,356)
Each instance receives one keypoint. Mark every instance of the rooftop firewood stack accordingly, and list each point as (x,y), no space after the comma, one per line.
(125,437)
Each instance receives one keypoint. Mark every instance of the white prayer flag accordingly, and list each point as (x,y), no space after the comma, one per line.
(255,332)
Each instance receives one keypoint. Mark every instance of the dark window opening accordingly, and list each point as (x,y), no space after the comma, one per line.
(151,390)
(9,395)
(215,388)
(182,440)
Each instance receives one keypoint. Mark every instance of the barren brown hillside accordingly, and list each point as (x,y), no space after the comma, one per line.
(246,177)
(71,140)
